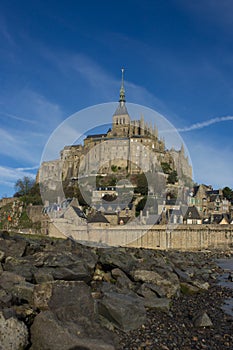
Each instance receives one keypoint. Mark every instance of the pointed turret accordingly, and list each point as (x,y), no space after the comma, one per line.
(121,109)
(121,118)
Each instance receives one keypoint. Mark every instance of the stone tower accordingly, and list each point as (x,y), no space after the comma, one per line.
(121,118)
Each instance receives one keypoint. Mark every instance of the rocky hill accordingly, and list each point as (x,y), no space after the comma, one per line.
(57,294)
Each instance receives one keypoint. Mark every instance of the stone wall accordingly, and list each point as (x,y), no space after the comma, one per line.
(34,212)
(183,237)
(7,200)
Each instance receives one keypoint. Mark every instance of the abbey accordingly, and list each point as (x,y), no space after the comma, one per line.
(128,147)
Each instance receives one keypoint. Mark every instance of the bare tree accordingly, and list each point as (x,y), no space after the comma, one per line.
(24,185)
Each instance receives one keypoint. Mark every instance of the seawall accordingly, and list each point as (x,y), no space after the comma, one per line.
(182,237)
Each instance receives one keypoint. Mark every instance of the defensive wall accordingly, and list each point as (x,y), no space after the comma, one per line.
(182,237)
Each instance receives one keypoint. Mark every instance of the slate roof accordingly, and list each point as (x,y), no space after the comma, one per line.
(121,109)
(96,136)
(192,213)
(112,207)
(217,218)
(98,217)
(79,212)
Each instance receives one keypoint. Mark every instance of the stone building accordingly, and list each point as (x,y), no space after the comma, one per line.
(129,146)
(209,202)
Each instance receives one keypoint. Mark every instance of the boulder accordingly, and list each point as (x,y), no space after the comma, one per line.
(47,332)
(65,265)
(5,298)
(13,334)
(161,304)
(126,312)
(122,280)
(20,266)
(202,320)
(43,275)
(188,288)
(167,281)
(201,285)
(183,276)
(67,299)
(9,279)
(119,257)
(41,295)
(23,292)
(70,299)
(53,259)
(78,272)
(149,290)
(13,248)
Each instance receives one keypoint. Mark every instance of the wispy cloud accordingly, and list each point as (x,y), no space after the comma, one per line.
(206,123)
(15,117)
(10,175)
(23,141)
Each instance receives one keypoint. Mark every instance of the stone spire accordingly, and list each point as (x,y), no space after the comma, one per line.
(122,90)
(121,109)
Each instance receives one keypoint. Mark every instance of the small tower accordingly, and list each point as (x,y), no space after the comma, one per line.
(142,126)
(121,118)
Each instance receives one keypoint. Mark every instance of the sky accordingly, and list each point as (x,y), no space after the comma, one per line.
(59,57)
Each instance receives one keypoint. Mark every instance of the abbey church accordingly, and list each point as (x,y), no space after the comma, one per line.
(129,146)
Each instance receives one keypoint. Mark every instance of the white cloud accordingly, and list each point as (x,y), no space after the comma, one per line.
(206,123)
(15,117)
(24,142)
(8,175)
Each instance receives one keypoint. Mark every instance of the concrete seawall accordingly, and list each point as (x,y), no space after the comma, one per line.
(182,237)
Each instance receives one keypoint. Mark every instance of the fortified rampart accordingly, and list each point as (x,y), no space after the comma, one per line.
(182,237)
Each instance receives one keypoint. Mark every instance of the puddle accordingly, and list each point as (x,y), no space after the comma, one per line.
(227,266)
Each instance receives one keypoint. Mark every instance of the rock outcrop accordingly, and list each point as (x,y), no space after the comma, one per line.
(58,294)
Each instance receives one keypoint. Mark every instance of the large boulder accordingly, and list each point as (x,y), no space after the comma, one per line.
(66,265)
(9,279)
(112,257)
(22,266)
(68,299)
(43,275)
(124,311)
(23,292)
(48,332)
(122,280)
(13,334)
(149,290)
(160,304)
(166,280)
(13,248)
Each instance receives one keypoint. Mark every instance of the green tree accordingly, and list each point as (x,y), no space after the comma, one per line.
(172,177)
(166,168)
(228,193)
(141,204)
(141,183)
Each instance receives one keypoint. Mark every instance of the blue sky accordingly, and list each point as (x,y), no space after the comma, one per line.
(58,57)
